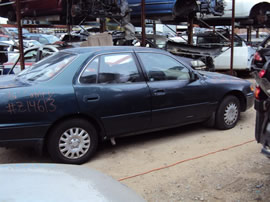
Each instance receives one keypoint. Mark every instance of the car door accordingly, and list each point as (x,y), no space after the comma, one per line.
(111,89)
(176,99)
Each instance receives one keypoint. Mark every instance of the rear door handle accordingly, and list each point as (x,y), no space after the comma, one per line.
(159,92)
(90,98)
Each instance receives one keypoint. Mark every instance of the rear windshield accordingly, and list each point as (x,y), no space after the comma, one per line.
(47,68)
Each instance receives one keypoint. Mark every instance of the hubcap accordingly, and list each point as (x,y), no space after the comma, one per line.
(74,143)
(231,114)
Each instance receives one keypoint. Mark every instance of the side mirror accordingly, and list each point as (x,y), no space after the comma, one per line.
(193,76)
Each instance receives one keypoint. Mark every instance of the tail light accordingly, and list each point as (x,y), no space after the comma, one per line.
(257,57)
(262,73)
(258,91)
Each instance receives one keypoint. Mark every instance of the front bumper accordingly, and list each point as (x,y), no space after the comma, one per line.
(257,67)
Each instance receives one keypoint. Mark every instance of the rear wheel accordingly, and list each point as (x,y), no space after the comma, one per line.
(73,141)
(228,113)
(259,13)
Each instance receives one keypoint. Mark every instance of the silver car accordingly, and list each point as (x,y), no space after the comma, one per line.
(55,182)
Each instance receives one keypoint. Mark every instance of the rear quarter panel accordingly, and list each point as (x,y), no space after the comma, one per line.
(38,105)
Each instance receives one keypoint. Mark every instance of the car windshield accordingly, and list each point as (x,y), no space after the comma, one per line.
(47,68)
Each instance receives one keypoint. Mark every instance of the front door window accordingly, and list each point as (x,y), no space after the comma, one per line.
(161,67)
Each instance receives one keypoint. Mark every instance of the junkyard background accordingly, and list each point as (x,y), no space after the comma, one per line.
(191,163)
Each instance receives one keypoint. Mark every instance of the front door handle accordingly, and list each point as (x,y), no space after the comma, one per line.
(159,92)
(90,98)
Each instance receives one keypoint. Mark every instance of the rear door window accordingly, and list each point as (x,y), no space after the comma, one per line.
(89,76)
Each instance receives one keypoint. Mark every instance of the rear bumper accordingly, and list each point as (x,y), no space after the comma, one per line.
(266,151)
(256,67)
(260,117)
(262,129)
(262,126)
(17,136)
(250,100)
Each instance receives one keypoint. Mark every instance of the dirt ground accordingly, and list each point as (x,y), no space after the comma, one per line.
(240,173)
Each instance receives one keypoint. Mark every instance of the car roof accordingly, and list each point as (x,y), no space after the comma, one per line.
(107,49)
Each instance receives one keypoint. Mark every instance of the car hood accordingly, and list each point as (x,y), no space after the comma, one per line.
(221,77)
(9,81)
(57,182)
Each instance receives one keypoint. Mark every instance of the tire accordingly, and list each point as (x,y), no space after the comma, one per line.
(228,113)
(73,141)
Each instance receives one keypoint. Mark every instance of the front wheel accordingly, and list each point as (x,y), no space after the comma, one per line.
(228,113)
(73,141)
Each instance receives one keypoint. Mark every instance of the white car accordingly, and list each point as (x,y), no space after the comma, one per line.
(256,10)
(242,58)
(31,56)
(243,53)
(210,45)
